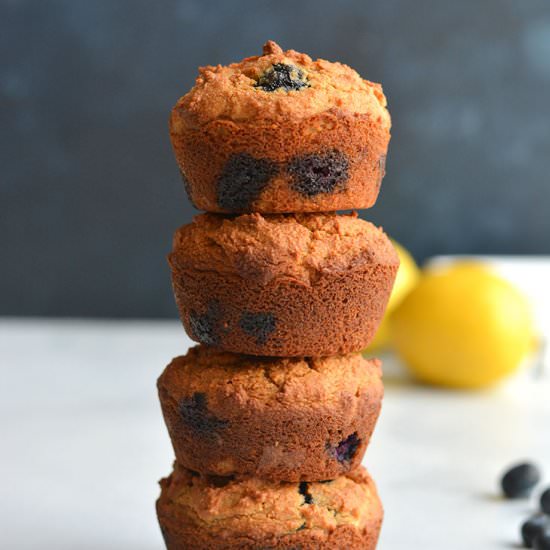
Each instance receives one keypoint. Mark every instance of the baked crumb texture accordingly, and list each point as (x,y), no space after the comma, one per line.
(271,414)
(281,132)
(207,512)
(292,419)
(282,285)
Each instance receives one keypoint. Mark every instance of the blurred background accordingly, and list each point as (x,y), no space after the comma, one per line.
(90,193)
(90,196)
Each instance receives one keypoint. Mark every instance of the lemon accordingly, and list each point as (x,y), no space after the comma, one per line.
(407,277)
(463,326)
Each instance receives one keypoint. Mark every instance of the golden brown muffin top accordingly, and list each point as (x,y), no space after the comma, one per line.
(295,247)
(280,85)
(265,382)
(252,505)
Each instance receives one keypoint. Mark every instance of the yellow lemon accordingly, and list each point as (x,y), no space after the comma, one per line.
(463,326)
(407,277)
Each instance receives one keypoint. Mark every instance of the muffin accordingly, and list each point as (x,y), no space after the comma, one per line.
(296,419)
(203,513)
(281,133)
(288,285)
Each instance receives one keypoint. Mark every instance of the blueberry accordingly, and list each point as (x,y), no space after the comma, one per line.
(258,325)
(195,414)
(204,327)
(242,180)
(317,173)
(533,527)
(545,501)
(303,489)
(282,76)
(346,449)
(220,481)
(520,480)
(542,540)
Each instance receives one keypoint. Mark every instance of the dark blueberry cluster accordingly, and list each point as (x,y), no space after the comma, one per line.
(242,180)
(258,325)
(346,449)
(195,414)
(317,173)
(282,77)
(244,177)
(519,482)
(303,489)
(204,327)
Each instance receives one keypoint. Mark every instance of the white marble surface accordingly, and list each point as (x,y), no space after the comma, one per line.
(83,444)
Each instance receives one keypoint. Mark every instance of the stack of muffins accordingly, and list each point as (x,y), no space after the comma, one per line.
(271,414)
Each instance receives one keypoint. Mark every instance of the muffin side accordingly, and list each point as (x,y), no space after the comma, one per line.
(202,512)
(303,419)
(282,285)
(317,147)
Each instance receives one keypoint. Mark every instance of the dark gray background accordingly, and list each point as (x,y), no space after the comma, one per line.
(90,193)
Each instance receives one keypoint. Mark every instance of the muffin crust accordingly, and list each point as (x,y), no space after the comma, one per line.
(283,419)
(200,512)
(314,138)
(282,285)
(232,93)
